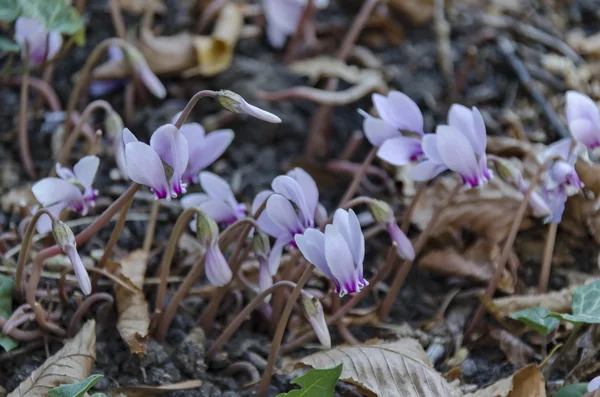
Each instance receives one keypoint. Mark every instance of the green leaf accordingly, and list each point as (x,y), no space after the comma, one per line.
(574,390)
(7,45)
(9,10)
(537,319)
(316,383)
(6,296)
(55,15)
(75,389)
(586,305)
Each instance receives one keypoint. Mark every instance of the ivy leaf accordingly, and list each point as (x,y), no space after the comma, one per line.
(7,45)
(55,15)
(75,389)
(586,305)
(574,390)
(6,293)
(316,383)
(9,10)
(537,319)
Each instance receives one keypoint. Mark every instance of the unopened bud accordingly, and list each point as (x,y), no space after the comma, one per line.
(233,102)
(313,311)
(207,230)
(261,244)
(64,237)
(138,62)
(113,124)
(507,171)
(381,211)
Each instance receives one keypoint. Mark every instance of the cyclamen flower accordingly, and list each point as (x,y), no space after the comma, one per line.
(41,45)
(583,118)
(65,239)
(459,146)
(338,253)
(160,165)
(283,17)
(204,148)
(594,384)
(398,114)
(290,209)
(215,265)
(72,190)
(218,201)
(383,214)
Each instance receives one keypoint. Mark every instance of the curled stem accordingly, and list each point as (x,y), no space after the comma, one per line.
(190,105)
(243,316)
(276,343)
(84,308)
(402,273)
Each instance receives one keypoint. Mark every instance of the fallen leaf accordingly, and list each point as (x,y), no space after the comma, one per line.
(215,52)
(589,173)
(6,297)
(327,66)
(478,263)
(132,307)
(138,7)
(527,382)
(517,352)
(70,364)
(75,389)
(167,54)
(316,382)
(537,319)
(400,368)
(149,391)
(555,301)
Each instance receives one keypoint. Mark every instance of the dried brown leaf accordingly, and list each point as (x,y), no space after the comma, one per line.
(149,391)
(527,382)
(418,12)
(589,173)
(168,54)
(72,363)
(327,66)
(400,368)
(556,301)
(518,352)
(139,6)
(477,263)
(132,307)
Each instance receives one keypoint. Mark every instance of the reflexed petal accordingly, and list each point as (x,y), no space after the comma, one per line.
(458,154)
(151,82)
(377,130)
(426,170)
(205,150)
(216,267)
(83,279)
(265,223)
(348,225)
(538,205)
(405,249)
(461,118)
(282,17)
(556,200)
(193,200)
(85,170)
(44,223)
(119,149)
(50,191)
(483,168)
(339,260)
(258,113)
(400,150)
(64,172)
(594,384)
(586,132)
(580,106)
(289,188)
(217,188)
(172,147)
(559,148)
(308,186)
(283,215)
(382,104)
(54,43)
(191,131)
(480,130)
(145,167)
(30,31)
(219,211)
(312,245)
(430,148)
(128,136)
(274,258)
(405,113)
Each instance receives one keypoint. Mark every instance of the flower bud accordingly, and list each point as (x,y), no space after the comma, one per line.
(313,311)
(261,244)
(216,267)
(64,237)
(383,214)
(233,102)
(507,171)
(381,211)
(113,124)
(138,62)
(207,230)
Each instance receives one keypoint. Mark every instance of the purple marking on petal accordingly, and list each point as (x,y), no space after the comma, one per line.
(400,150)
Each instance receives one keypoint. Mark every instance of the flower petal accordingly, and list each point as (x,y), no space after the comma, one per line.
(283,215)
(205,150)
(64,172)
(400,150)
(217,270)
(585,131)
(54,43)
(274,258)
(145,167)
(457,153)
(289,188)
(83,279)
(339,260)
(377,130)
(579,106)
(430,148)
(128,136)
(559,148)
(85,170)
(349,226)
(312,245)
(44,223)
(50,191)
(461,118)
(151,81)
(308,186)
(172,147)
(426,170)
(193,200)
(405,249)
(217,188)
(265,223)
(405,113)
(383,106)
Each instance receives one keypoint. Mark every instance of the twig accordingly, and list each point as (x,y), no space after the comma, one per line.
(442,33)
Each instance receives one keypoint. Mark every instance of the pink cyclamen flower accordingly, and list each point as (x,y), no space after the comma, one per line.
(583,118)
(72,190)
(290,209)
(204,148)
(283,17)
(459,146)
(215,265)
(65,239)
(218,201)
(594,384)
(398,114)
(41,44)
(338,253)
(384,215)
(160,165)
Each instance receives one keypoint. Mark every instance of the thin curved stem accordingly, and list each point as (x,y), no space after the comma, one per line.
(165,266)
(276,343)
(149,237)
(190,105)
(359,176)
(411,208)
(547,259)
(43,88)
(84,308)
(243,316)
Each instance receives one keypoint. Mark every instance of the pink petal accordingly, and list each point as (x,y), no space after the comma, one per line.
(50,191)
(44,223)
(265,223)
(128,136)
(461,118)
(349,226)
(400,150)
(586,132)
(217,188)
(289,188)
(308,186)
(430,148)
(405,249)
(274,258)
(85,170)
(559,148)
(426,170)
(64,172)
(145,167)
(151,82)
(377,130)
(283,214)
(339,260)
(172,148)
(580,106)
(54,43)
(457,153)
(312,245)
(83,279)
(216,267)
(204,151)
(405,114)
